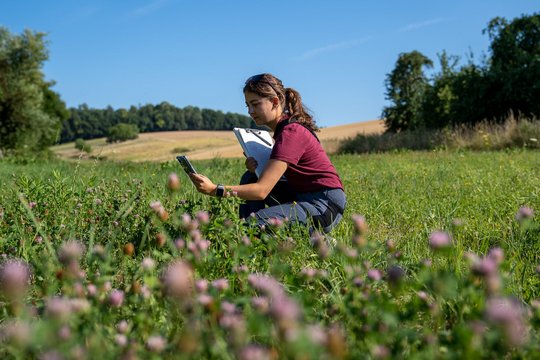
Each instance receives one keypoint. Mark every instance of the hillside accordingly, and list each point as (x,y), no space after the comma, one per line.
(162,146)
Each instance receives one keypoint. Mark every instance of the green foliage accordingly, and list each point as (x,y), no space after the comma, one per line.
(94,295)
(508,82)
(122,132)
(514,133)
(29,111)
(91,123)
(405,87)
(82,145)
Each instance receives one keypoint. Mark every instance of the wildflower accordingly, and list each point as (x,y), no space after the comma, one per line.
(38,239)
(116,298)
(319,243)
(122,327)
(32,204)
(156,343)
(275,222)
(120,340)
(64,333)
(129,249)
(246,241)
(316,334)
(161,239)
(266,284)
(309,273)
(336,343)
(497,255)
(285,310)
(173,182)
(439,240)
(374,274)
(98,202)
(148,264)
(220,284)
(395,275)
(360,224)
(203,217)
(79,305)
(261,304)
(254,352)
(205,300)
(179,244)
(228,307)
(508,314)
(484,267)
(159,210)
(16,332)
(14,278)
(178,279)
(58,308)
(524,213)
(91,290)
(70,252)
(380,352)
(201,285)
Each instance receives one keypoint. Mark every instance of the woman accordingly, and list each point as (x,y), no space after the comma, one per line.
(312,193)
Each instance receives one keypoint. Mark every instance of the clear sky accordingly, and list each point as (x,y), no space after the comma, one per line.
(199,52)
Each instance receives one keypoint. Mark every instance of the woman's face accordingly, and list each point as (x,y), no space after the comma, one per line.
(261,109)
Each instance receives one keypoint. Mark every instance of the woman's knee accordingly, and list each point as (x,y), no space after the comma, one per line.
(248,178)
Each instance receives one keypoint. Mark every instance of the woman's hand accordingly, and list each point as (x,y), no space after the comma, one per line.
(203,184)
(251,164)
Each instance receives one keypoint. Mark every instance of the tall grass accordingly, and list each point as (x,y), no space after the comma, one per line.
(101,251)
(515,132)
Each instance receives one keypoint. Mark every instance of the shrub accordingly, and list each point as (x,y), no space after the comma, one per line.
(516,132)
(122,132)
(80,144)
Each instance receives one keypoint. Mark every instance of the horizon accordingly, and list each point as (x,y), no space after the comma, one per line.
(337,55)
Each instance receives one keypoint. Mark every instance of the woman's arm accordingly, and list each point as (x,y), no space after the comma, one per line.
(257,191)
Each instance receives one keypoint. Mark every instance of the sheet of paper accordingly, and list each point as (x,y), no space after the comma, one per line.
(257,144)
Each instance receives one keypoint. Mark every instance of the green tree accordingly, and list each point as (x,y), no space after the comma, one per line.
(30,113)
(122,132)
(405,88)
(515,65)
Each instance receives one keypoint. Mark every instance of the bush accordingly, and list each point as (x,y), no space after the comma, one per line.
(515,132)
(122,132)
(80,144)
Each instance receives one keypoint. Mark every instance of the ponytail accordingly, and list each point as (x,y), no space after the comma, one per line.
(267,85)
(298,112)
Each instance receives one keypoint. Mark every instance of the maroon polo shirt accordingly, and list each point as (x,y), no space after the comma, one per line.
(309,168)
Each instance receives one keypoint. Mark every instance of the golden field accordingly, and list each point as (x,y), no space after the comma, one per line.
(163,146)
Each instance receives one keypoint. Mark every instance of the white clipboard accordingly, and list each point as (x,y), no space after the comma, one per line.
(257,144)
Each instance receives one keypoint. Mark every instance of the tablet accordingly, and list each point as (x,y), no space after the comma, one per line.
(186,165)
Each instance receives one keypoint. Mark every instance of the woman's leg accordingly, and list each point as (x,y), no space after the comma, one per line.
(280,194)
(321,210)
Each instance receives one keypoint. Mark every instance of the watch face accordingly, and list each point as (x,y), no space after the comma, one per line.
(220,190)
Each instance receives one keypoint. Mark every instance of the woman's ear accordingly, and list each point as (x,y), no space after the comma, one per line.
(275,101)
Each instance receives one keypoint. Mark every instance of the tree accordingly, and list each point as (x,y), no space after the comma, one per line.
(405,87)
(30,112)
(515,65)
(122,132)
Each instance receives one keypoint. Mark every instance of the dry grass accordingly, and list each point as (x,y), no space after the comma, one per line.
(162,146)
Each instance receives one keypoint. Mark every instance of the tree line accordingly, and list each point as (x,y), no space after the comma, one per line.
(88,123)
(507,81)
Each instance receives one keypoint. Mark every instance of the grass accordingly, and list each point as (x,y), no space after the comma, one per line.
(404,197)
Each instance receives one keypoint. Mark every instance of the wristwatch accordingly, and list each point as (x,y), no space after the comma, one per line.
(220,190)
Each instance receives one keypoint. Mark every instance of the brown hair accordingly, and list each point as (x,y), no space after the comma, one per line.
(267,85)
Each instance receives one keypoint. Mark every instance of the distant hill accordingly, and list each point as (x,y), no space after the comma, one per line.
(197,144)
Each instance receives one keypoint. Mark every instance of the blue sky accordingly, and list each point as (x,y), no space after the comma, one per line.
(336,53)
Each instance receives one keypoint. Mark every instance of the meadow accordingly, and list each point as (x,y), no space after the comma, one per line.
(438,256)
